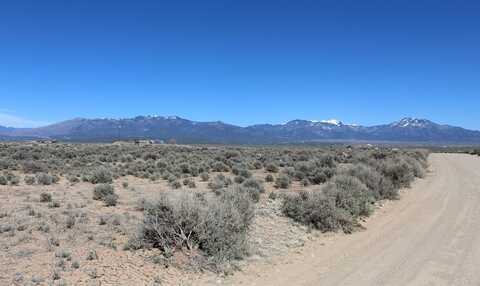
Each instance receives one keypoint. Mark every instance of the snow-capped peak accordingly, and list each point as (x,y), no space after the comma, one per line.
(332,122)
(329,123)
(411,122)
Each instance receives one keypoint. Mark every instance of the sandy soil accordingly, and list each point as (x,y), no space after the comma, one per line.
(429,237)
(31,249)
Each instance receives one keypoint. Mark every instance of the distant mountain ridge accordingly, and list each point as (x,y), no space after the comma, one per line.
(216,132)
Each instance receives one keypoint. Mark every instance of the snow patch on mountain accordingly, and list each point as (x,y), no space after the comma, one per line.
(332,122)
(411,122)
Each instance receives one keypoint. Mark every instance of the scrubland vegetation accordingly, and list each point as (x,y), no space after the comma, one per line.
(350,193)
(472,150)
(200,201)
(475,152)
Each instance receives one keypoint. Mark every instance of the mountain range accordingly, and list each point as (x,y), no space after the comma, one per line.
(406,130)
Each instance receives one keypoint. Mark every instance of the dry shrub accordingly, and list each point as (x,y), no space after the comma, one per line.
(100,175)
(219,182)
(105,193)
(45,179)
(336,206)
(216,225)
(34,167)
(381,187)
(350,194)
(3,180)
(317,210)
(45,197)
(282,182)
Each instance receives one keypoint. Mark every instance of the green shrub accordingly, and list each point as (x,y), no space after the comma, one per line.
(327,161)
(289,172)
(244,173)
(75,265)
(176,184)
(190,183)
(100,175)
(271,167)
(269,178)
(110,200)
(34,167)
(272,195)
(321,174)
(254,184)
(54,204)
(45,197)
(231,154)
(29,180)
(44,179)
(92,255)
(105,193)
(7,228)
(257,165)
(150,156)
(282,182)
(3,180)
(204,177)
(220,167)
(253,193)
(350,194)
(381,187)
(336,206)
(225,232)
(6,164)
(14,180)
(101,191)
(398,171)
(316,172)
(172,178)
(184,168)
(219,182)
(235,169)
(317,210)
(416,167)
(239,179)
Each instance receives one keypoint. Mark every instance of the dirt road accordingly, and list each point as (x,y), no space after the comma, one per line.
(430,237)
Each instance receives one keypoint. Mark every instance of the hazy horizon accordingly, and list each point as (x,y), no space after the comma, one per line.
(330,120)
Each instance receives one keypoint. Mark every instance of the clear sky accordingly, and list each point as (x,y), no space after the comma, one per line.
(242,62)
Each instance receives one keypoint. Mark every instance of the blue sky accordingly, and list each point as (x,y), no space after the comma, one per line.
(242,62)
